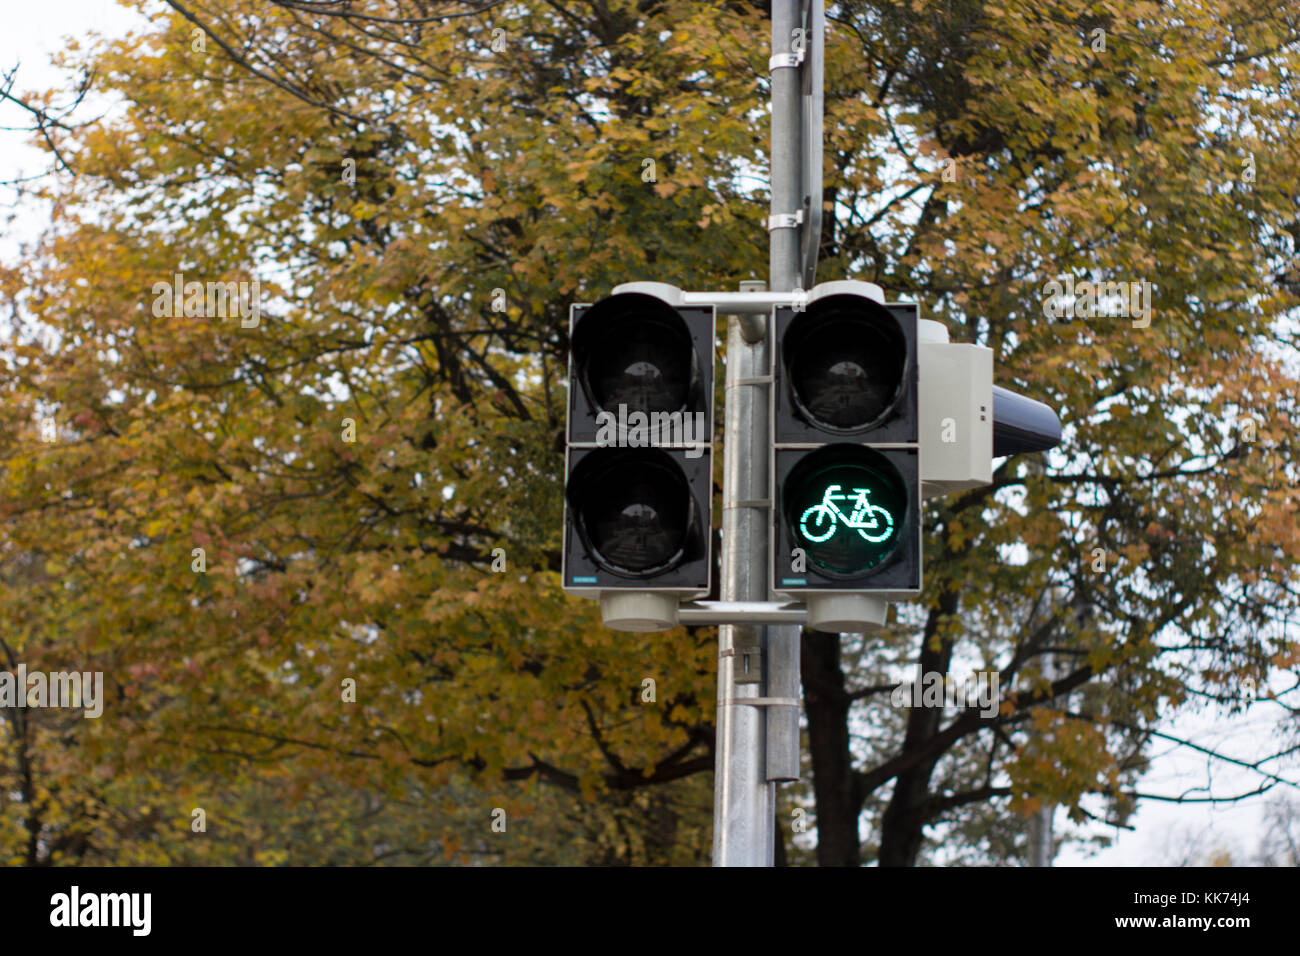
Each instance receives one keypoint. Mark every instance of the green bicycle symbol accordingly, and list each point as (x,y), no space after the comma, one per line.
(827,516)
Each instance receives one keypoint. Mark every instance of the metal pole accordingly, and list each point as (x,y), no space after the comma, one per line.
(744,798)
(1040,824)
(1040,836)
(781,644)
(787,135)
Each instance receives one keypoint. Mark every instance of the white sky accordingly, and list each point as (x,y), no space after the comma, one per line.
(33,31)
(30,33)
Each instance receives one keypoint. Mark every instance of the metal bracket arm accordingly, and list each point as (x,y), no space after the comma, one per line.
(741,612)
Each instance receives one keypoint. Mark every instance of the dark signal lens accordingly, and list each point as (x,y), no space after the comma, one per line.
(847,362)
(636,351)
(634,509)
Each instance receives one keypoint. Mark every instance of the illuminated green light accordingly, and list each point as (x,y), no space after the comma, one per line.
(844,506)
(872,523)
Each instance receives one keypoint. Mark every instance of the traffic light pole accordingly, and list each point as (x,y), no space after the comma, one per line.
(758,666)
(791,145)
(744,800)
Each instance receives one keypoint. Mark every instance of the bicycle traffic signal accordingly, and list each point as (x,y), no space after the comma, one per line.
(638,492)
(845,471)
(872,411)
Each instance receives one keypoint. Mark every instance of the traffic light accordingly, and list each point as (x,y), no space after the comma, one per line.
(846,516)
(639,463)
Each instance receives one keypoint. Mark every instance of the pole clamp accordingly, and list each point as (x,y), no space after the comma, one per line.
(784,61)
(748,666)
(762,701)
(784,220)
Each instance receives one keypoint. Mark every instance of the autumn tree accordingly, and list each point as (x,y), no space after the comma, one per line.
(361,482)
(1149,560)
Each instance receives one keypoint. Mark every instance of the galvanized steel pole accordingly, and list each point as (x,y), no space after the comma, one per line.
(744,791)
(781,643)
(743,798)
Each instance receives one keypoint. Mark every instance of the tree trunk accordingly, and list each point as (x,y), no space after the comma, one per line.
(826,704)
(902,827)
